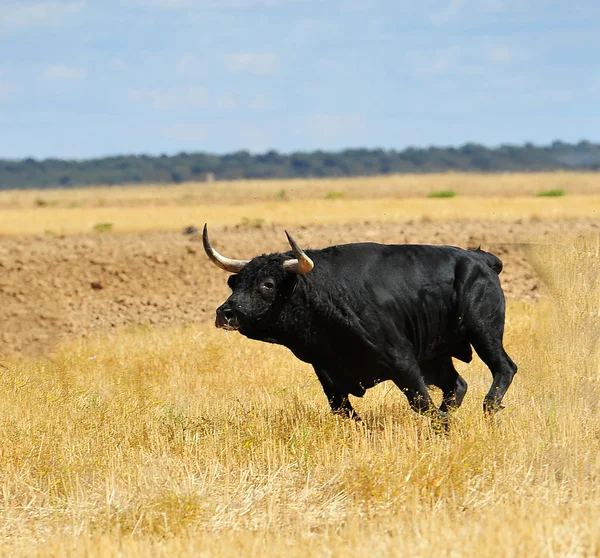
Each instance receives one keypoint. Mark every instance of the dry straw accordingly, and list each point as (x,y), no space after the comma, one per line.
(179,443)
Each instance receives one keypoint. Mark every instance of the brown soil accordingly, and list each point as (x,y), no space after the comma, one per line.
(57,288)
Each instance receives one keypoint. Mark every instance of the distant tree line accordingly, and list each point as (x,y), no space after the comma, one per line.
(138,169)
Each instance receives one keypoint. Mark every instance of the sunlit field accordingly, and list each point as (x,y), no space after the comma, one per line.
(145,441)
(301,202)
(186,442)
(249,191)
(60,220)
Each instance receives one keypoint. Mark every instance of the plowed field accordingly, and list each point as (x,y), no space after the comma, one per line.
(56,288)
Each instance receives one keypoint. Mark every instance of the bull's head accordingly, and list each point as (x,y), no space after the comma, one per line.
(259,285)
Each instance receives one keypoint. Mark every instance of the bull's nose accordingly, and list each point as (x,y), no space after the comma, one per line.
(226,318)
(228,314)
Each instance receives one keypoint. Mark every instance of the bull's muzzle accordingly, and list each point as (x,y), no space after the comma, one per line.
(226,318)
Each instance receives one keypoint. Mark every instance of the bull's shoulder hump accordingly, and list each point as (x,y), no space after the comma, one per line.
(369,253)
(375,246)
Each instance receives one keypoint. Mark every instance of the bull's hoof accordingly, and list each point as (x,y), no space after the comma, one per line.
(491,407)
(440,422)
(350,415)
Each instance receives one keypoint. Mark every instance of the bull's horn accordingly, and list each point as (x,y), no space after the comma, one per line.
(302,264)
(233,266)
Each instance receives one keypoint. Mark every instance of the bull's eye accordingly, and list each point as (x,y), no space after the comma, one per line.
(267,285)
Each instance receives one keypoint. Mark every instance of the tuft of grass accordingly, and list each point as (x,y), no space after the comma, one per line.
(43,202)
(253,222)
(334,195)
(442,194)
(102,227)
(554,193)
(282,195)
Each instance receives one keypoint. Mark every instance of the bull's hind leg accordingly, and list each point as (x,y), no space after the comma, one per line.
(440,372)
(339,402)
(485,332)
(502,368)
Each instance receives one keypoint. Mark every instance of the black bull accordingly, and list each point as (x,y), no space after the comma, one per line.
(364,313)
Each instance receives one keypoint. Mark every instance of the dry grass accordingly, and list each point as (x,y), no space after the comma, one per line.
(61,220)
(251,191)
(187,443)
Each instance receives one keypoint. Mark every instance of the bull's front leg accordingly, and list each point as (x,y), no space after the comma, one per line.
(339,402)
(406,374)
(453,395)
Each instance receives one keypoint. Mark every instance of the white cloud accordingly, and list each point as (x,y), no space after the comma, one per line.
(64,72)
(258,103)
(252,3)
(191,64)
(442,61)
(162,4)
(256,139)
(329,127)
(496,5)
(185,132)
(226,102)
(548,96)
(118,64)
(168,99)
(307,31)
(504,54)
(203,4)
(453,10)
(357,5)
(24,15)
(185,64)
(448,13)
(485,62)
(254,63)
(6,90)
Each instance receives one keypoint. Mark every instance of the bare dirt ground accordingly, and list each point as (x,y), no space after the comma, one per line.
(53,289)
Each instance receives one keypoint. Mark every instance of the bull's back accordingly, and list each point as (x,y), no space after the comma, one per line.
(406,292)
(418,263)
(370,263)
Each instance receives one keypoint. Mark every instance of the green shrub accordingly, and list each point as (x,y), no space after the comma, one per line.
(334,195)
(102,227)
(442,194)
(556,193)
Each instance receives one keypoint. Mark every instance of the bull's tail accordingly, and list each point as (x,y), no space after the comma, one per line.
(494,262)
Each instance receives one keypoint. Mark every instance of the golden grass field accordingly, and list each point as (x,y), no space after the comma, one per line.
(249,191)
(300,202)
(58,220)
(191,442)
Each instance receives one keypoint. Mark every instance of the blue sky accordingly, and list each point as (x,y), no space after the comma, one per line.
(83,78)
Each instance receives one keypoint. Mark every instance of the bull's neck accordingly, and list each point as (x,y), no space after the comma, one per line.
(311,311)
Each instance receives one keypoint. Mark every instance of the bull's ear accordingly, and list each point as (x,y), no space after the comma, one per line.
(231,281)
